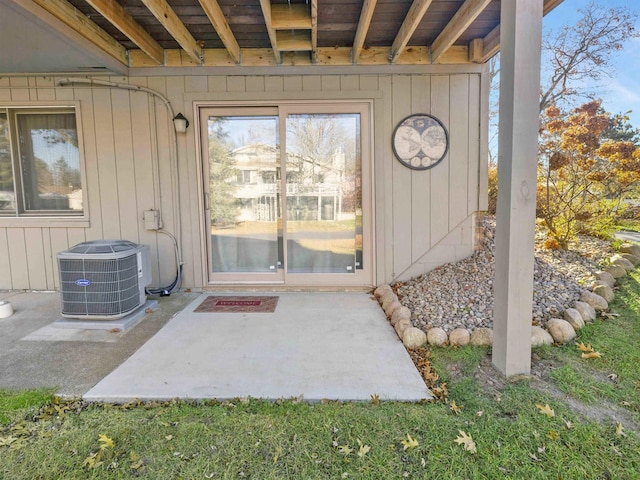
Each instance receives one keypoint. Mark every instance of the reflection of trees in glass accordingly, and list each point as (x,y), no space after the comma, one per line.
(222,171)
(315,139)
(60,135)
(50,159)
(6,170)
(65,176)
(326,149)
(59,178)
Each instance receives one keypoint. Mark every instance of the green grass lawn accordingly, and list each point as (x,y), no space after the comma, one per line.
(512,437)
(630,225)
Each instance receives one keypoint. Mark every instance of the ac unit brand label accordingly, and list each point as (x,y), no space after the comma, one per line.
(83,282)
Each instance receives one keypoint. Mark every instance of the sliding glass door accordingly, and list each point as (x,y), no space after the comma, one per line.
(318,231)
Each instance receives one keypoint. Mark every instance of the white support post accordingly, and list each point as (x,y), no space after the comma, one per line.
(520,40)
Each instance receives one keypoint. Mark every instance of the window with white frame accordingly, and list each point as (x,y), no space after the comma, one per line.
(40,165)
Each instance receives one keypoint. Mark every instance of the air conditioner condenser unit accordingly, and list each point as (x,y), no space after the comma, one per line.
(103,279)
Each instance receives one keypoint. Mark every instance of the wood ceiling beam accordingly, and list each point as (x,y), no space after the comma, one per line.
(80,23)
(169,20)
(414,16)
(219,22)
(464,17)
(266,13)
(550,5)
(327,56)
(120,18)
(314,31)
(363,27)
(482,49)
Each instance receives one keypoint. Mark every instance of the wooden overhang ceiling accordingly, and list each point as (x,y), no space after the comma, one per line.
(152,33)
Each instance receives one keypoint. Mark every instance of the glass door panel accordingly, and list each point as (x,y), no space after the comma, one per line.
(287,194)
(323,193)
(244,192)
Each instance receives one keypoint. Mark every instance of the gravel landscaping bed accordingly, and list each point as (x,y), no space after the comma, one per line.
(460,295)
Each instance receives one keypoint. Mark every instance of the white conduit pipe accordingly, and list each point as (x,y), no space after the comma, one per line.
(175,178)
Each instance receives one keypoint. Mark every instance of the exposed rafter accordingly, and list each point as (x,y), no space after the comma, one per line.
(76,20)
(465,15)
(363,27)
(219,22)
(414,16)
(120,18)
(314,31)
(266,13)
(169,20)
(482,49)
(292,28)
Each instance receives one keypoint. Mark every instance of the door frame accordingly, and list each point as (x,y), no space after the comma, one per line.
(363,278)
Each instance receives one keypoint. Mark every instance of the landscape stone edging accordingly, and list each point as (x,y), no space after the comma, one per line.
(385,295)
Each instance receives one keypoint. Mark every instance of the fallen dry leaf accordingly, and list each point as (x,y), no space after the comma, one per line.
(375,399)
(6,441)
(591,355)
(409,443)
(363,450)
(620,430)
(277,455)
(422,360)
(466,441)
(553,435)
(457,409)
(345,449)
(584,348)
(91,461)
(105,442)
(137,462)
(546,410)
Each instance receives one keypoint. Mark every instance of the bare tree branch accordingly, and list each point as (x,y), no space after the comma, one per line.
(584,51)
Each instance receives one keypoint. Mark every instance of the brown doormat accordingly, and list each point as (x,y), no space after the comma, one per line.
(239,304)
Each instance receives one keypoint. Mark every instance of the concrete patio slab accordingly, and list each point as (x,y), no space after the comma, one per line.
(36,354)
(315,345)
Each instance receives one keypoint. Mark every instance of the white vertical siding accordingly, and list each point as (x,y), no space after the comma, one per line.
(420,179)
(6,275)
(129,167)
(459,149)
(401,179)
(439,201)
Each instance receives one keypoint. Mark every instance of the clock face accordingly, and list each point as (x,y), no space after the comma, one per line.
(420,141)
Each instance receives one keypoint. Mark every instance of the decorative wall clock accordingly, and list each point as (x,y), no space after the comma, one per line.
(420,141)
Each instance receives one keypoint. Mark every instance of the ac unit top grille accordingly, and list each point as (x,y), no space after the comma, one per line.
(102,246)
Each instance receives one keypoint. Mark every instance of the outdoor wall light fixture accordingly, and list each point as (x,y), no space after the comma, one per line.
(180,123)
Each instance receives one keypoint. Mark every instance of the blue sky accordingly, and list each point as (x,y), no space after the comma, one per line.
(620,92)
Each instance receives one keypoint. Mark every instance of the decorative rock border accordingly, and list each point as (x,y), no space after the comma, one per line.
(557,330)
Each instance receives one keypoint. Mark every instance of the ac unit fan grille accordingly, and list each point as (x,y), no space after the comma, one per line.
(112,287)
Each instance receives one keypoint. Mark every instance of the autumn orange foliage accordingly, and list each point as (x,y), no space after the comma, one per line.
(583,177)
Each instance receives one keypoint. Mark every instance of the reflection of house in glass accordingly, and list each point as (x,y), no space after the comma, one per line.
(316,190)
